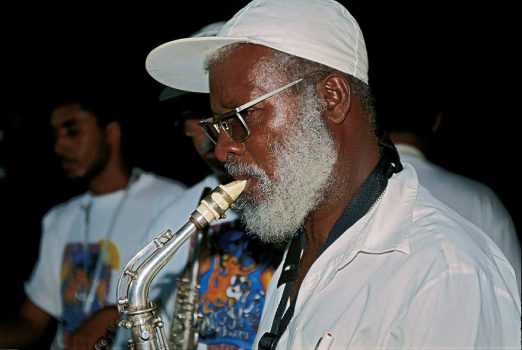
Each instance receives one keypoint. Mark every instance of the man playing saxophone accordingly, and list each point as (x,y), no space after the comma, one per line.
(374,261)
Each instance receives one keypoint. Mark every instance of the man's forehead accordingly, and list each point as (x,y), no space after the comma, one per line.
(240,56)
(246,67)
(69,115)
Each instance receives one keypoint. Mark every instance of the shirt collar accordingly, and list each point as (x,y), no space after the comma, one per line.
(409,150)
(390,226)
(387,226)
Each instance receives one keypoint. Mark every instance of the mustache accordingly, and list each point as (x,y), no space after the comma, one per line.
(242,169)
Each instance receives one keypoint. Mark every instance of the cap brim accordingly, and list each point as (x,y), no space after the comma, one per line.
(168,93)
(179,64)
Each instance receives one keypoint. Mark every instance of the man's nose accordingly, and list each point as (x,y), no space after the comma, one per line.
(227,149)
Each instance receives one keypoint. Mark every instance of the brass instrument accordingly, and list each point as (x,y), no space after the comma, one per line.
(139,313)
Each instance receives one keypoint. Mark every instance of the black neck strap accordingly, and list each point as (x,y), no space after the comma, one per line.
(369,192)
(367,195)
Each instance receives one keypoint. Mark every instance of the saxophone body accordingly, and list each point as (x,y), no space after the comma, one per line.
(183,333)
(138,312)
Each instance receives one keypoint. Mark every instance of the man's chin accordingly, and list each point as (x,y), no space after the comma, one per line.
(73,173)
(272,231)
(74,177)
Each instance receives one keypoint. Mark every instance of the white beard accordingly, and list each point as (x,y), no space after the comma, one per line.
(304,163)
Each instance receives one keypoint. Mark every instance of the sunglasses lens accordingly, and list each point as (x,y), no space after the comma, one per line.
(235,127)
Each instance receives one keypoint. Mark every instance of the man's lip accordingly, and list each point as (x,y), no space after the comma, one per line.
(241,177)
(68,163)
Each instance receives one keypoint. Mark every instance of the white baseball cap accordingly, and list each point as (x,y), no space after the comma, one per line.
(322,31)
(209,30)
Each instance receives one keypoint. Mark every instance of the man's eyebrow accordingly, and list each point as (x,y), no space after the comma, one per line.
(69,123)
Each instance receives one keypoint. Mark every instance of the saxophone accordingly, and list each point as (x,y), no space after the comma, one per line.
(183,333)
(138,313)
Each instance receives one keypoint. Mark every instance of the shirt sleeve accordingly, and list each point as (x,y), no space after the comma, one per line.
(465,311)
(42,288)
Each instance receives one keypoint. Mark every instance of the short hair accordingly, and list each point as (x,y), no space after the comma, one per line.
(106,104)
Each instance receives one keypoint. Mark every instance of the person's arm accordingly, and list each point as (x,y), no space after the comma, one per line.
(86,336)
(26,328)
(464,309)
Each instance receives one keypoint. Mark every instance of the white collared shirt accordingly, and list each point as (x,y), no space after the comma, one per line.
(410,274)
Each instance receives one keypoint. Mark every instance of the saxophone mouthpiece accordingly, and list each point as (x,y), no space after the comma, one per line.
(214,206)
(234,188)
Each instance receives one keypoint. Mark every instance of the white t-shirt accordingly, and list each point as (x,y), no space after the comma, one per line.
(74,233)
(410,274)
(471,199)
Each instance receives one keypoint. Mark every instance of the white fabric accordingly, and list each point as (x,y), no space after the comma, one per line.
(64,225)
(208,30)
(318,30)
(410,274)
(471,199)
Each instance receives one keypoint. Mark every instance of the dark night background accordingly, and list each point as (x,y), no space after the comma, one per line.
(468,56)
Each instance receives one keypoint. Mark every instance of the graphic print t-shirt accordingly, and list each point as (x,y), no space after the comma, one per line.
(78,275)
(234,274)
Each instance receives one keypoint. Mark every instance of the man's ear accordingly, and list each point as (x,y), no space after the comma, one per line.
(337,95)
(113,131)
